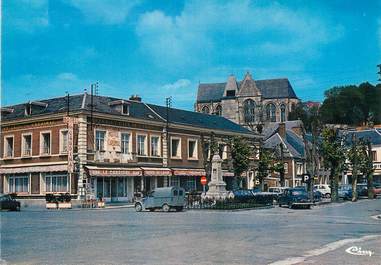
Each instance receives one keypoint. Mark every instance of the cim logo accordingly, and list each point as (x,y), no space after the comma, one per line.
(358,251)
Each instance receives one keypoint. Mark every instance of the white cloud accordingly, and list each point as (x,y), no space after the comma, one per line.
(108,12)
(206,30)
(67,76)
(179,84)
(26,15)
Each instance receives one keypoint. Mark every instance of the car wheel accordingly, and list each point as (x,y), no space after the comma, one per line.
(327,195)
(166,207)
(280,205)
(138,207)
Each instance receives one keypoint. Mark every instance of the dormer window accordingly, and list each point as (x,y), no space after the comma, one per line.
(121,106)
(32,106)
(125,109)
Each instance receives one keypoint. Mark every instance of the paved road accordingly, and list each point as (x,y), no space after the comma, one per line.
(122,236)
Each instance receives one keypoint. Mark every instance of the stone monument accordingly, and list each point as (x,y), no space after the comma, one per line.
(217,187)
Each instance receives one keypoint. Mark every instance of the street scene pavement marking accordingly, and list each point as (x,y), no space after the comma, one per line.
(326,248)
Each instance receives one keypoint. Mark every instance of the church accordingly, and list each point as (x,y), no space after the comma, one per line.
(248,102)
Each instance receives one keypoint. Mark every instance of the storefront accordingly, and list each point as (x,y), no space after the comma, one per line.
(36,181)
(189,179)
(113,184)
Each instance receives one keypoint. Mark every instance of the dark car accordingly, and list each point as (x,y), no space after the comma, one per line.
(295,198)
(362,190)
(317,194)
(243,195)
(345,192)
(7,202)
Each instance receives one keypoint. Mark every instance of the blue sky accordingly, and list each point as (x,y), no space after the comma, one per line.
(165,48)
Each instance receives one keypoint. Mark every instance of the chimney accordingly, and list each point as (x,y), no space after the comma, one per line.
(136,98)
(282,129)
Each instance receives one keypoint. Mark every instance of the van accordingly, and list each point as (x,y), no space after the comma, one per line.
(162,198)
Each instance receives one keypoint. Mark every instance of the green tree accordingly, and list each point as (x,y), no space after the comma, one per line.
(366,165)
(264,165)
(240,153)
(333,153)
(354,155)
(352,105)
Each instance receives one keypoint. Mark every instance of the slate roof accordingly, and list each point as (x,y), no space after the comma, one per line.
(270,88)
(294,143)
(374,135)
(139,110)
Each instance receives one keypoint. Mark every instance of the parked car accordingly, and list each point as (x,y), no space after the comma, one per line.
(362,190)
(317,194)
(243,195)
(277,191)
(377,189)
(345,192)
(295,198)
(163,198)
(7,202)
(324,189)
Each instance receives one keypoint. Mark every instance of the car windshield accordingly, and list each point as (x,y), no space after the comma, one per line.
(344,188)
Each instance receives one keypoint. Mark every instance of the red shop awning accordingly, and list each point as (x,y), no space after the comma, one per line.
(21,169)
(152,172)
(95,171)
(188,172)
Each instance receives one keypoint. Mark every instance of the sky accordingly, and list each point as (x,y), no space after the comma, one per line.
(159,48)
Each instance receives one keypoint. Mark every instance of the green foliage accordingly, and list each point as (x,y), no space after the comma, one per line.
(240,152)
(352,105)
(309,116)
(264,164)
(333,153)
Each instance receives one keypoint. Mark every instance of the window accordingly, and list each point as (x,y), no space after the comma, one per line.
(206,151)
(155,146)
(282,113)
(18,184)
(285,167)
(175,181)
(100,140)
(125,109)
(64,141)
(56,183)
(222,151)
(45,143)
(249,110)
(205,110)
(218,110)
(175,193)
(125,143)
(230,93)
(175,147)
(374,155)
(192,149)
(271,112)
(8,146)
(27,145)
(141,145)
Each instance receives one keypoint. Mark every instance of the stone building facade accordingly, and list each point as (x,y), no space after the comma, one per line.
(107,147)
(247,102)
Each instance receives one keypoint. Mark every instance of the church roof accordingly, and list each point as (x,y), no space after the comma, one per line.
(270,88)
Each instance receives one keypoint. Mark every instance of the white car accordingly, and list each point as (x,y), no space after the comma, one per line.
(324,189)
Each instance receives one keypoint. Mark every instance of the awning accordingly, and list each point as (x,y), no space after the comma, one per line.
(151,172)
(188,172)
(95,171)
(20,169)
(227,174)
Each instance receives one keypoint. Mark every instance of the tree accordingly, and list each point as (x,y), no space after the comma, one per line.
(264,165)
(240,153)
(279,166)
(352,105)
(333,153)
(354,156)
(308,116)
(366,165)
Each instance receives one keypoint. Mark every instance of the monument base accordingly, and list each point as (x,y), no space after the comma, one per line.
(217,190)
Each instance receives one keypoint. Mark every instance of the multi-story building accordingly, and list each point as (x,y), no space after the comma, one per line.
(286,140)
(106,146)
(248,102)
(374,136)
